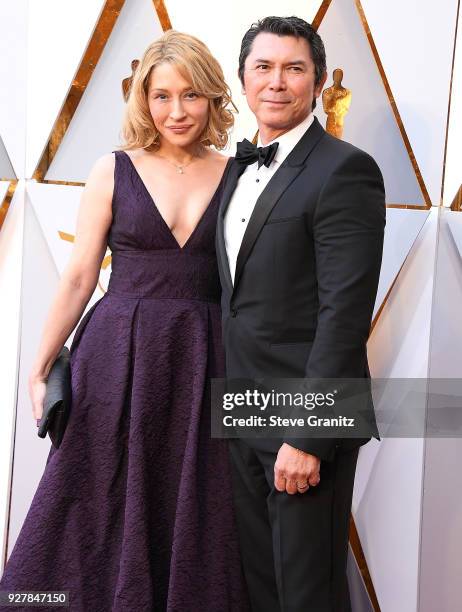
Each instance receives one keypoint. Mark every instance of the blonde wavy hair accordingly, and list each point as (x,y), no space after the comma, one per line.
(193,60)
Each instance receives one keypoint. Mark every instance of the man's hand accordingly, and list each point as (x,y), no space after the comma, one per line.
(295,471)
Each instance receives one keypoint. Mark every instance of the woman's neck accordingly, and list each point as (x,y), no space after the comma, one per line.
(181,155)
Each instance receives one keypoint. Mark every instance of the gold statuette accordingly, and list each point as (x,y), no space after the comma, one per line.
(127,83)
(336,101)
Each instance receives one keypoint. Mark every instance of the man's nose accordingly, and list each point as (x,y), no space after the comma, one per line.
(277,79)
(177,111)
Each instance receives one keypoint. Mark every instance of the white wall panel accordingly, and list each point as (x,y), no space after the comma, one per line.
(56,208)
(388,519)
(441,561)
(370,123)
(401,231)
(95,127)
(453,171)
(454,222)
(415,42)
(13,73)
(388,487)
(58,33)
(39,281)
(6,168)
(399,344)
(446,325)
(11,246)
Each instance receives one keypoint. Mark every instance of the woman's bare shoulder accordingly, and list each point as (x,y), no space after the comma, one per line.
(103,166)
(217,159)
(100,181)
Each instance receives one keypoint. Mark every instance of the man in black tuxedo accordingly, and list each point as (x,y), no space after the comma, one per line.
(299,243)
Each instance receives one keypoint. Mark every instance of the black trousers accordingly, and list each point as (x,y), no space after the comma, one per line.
(294,547)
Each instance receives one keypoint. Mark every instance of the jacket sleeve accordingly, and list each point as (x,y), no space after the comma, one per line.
(348,230)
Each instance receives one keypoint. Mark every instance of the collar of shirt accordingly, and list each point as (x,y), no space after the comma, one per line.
(288,140)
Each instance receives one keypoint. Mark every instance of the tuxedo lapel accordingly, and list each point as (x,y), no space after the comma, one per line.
(283,177)
(231,180)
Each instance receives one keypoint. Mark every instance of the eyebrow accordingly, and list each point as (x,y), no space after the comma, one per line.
(160,90)
(266,61)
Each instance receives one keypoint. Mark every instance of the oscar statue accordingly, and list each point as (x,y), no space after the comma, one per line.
(127,83)
(336,101)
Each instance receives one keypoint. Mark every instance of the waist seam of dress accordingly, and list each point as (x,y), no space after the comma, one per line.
(173,251)
(149,297)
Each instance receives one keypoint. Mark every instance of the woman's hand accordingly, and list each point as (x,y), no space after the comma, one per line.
(37,388)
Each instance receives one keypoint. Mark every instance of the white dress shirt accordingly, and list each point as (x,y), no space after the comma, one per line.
(249,187)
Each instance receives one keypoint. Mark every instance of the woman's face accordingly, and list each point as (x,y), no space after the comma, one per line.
(178,112)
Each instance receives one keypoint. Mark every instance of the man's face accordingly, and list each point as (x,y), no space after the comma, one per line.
(279,78)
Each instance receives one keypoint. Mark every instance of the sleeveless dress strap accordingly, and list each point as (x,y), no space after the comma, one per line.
(120,163)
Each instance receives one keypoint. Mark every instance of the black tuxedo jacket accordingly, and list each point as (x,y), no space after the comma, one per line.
(307,271)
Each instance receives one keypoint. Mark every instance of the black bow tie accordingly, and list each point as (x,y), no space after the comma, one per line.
(248,153)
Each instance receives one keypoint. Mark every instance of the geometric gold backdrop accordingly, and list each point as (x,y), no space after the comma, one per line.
(401,86)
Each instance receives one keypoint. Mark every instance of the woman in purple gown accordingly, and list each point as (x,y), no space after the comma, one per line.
(134,510)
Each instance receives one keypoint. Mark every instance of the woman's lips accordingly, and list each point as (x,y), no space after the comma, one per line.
(179,129)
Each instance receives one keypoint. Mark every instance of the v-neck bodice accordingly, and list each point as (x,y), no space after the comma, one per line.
(147,260)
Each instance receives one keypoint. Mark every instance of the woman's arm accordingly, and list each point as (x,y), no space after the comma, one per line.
(80,276)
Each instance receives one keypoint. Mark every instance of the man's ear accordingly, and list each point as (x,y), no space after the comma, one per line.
(319,87)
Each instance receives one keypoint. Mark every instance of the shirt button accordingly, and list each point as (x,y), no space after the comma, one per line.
(243,220)
(257,180)
(233,312)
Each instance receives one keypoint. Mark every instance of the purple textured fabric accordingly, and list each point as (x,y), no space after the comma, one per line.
(134,511)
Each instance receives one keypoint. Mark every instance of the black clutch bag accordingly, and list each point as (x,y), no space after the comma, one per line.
(57,402)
